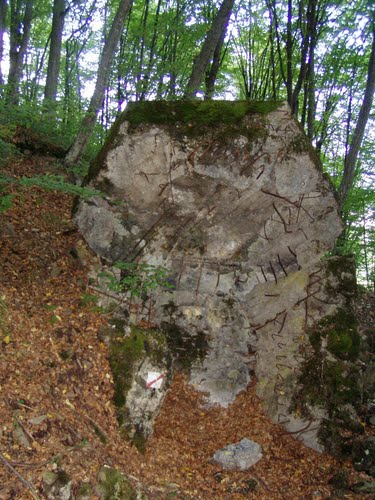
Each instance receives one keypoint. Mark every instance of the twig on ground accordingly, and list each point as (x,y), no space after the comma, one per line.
(257,478)
(21,478)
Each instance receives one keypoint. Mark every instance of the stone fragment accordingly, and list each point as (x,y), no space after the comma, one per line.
(37,420)
(58,485)
(238,456)
(20,436)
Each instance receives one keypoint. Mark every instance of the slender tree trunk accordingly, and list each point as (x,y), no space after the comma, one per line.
(50,90)
(18,46)
(289,54)
(140,73)
(202,61)
(211,75)
(147,74)
(3,27)
(365,252)
(364,113)
(77,149)
(311,104)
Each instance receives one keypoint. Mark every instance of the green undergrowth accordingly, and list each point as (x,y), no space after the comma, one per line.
(329,379)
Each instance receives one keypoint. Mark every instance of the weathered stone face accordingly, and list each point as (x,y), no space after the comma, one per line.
(240,214)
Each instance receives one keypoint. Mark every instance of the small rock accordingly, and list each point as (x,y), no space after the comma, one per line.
(37,420)
(58,485)
(238,456)
(20,437)
(7,230)
(49,477)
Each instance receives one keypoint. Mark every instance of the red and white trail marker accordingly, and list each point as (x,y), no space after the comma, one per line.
(154,380)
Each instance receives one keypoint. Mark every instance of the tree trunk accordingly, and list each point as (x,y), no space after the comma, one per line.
(3,27)
(202,61)
(364,113)
(147,74)
(50,90)
(18,46)
(211,75)
(87,126)
(289,54)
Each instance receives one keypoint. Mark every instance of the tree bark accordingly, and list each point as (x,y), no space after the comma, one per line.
(3,26)
(18,46)
(50,90)
(364,113)
(202,61)
(211,75)
(87,126)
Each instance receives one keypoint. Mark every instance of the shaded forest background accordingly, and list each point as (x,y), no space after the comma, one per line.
(68,68)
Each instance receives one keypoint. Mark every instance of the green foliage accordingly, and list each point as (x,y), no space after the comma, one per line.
(341,335)
(51,182)
(4,326)
(137,278)
(48,182)
(5,200)
(7,151)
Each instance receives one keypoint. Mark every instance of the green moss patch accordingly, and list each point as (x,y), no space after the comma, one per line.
(341,333)
(185,347)
(219,120)
(342,269)
(329,380)
(195,114)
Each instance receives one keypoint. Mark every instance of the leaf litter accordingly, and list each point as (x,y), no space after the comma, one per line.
(56,408)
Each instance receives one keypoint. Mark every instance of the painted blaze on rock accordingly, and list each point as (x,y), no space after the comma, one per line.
(231,198)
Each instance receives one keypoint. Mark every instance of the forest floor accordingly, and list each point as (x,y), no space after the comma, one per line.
(56,387)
